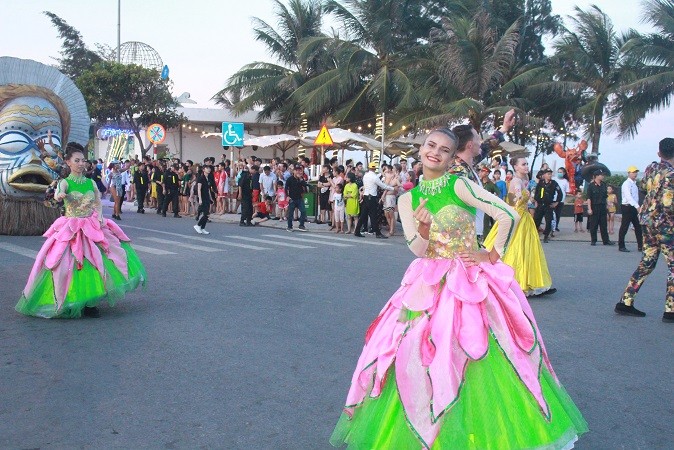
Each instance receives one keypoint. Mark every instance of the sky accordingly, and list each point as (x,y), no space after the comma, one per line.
(205,41)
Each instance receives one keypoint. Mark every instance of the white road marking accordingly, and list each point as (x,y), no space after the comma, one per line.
(180,244)
(269,242)
(354,241)
(23,251)
(153,251)
(307,240)
(198,238)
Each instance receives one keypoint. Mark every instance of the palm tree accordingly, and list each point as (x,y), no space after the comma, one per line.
(372,60)
(269,86)
(470,73)
(654,88)
(588,62)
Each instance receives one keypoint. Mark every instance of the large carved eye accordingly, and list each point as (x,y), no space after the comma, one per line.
(55,139)
(15,142)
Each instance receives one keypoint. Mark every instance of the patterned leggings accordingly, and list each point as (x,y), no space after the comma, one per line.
(654,242)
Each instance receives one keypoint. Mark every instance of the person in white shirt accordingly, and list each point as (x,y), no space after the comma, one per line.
(268,182)
(370,202)
(630,210)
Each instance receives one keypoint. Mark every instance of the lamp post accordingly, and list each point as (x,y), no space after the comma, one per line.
(119,30)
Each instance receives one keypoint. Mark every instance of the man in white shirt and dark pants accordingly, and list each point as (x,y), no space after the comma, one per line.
(630,210)
(370,201)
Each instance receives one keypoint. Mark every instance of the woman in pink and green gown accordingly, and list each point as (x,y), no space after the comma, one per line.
(86,259)
(455,360)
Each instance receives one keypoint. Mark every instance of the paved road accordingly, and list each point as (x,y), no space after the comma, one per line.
(247,338)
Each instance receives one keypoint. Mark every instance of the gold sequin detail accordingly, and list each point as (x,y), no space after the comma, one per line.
(452,232)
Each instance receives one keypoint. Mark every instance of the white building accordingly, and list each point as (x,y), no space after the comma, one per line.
(198,138)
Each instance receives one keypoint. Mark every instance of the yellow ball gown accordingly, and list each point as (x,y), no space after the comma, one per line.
(525,253)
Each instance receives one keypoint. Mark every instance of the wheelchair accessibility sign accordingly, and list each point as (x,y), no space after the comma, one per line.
(232,134)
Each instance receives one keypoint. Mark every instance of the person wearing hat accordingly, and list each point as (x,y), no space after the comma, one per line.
(545,197)
(630,210)
(370,205)
(171,187)
(596,208)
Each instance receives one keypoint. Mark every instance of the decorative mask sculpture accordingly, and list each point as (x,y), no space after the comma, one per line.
(36,101)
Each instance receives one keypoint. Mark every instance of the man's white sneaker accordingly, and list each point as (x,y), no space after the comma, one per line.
(205,232)
(199,230)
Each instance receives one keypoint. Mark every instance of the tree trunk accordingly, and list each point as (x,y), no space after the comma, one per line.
(596,136)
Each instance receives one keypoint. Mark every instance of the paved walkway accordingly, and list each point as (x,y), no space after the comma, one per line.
(566,233)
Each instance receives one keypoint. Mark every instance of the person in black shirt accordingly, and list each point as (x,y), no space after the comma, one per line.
(158,179)
(547,191)
(171,189)
(141,182)
(295,189)
(205,199)
(596,208)
(246,197)
(255,183)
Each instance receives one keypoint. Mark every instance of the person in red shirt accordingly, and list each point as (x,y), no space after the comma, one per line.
(263,209)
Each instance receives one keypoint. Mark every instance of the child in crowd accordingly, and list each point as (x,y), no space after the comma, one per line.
(338,214)
(281,201)
(263,210)
(578,204)
(194,197)
(352,207)
(153,190)
(611,201)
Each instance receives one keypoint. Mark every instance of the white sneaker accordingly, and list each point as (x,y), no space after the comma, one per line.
(199,230)
(205,232)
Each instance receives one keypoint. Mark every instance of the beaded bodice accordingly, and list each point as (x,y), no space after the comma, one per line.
(80,199)
(519,204)
(453,226)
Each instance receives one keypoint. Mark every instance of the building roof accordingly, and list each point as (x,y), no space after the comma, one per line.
(219,115)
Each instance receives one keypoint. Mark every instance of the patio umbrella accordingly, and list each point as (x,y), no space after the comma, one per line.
(344,139)
(282,142)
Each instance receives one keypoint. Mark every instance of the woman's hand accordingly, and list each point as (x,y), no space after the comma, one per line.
(60,196)
(474,258)
(424,217)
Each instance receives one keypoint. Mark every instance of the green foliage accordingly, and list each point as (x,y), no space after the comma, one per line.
(652,59)
(75,56)
(128,94)
(267,87)
(615,180)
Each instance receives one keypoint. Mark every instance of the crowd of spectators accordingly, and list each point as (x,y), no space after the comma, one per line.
(258,191)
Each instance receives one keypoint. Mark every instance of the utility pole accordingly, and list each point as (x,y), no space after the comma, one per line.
(119,30)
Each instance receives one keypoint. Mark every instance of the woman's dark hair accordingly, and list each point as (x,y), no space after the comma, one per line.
(464,134)
(514,160)
(72,148)
(351,176)
(447,132)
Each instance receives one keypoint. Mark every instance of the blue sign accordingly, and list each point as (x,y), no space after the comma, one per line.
(232,134)
(164,73)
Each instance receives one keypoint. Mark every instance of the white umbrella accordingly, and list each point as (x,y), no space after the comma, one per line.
(344,138)
(283,142)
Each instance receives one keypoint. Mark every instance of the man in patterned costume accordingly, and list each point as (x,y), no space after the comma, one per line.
(471,152)
(657,221)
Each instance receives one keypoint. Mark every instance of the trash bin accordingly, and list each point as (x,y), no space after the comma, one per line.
(310,202)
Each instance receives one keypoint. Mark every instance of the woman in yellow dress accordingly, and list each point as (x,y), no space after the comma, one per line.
(525,253)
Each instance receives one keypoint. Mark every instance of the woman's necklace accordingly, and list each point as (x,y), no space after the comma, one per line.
(432,187)
(78,179)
